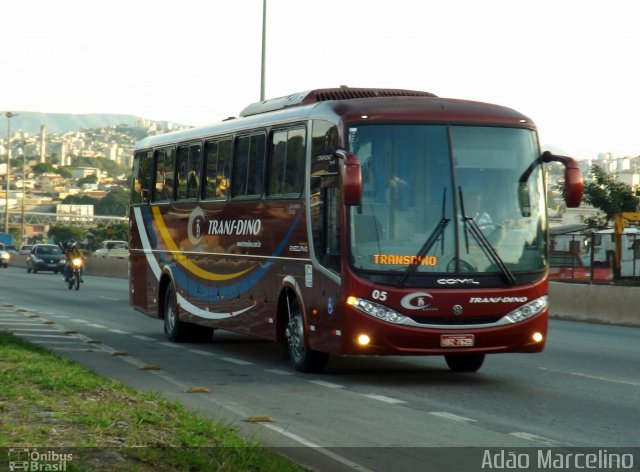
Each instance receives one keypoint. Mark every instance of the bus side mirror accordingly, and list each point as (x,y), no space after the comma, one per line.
(573,184)
(351,177)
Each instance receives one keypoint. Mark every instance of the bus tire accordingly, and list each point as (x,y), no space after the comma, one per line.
(174,329)
(464,362)
(302,358)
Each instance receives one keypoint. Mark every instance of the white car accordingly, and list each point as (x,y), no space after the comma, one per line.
(117,249)
(5,258)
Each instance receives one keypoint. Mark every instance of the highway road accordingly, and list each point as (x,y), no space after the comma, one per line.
(362,413)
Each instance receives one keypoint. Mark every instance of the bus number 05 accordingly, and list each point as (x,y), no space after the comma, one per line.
(379,295)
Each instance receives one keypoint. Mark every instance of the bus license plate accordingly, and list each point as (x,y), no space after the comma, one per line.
(457,340)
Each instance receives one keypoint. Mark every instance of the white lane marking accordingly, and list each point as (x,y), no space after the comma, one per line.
(538,439)
(46,330)
(134,362)
(317,448)
(109,298)
(95,325)
(78,320)
(202,353)
(29,335)
(143,338)
(118,331)
(236,361)
(451,416)
(278,372)
(326,384)
(593,377)
(17,322)
(382,398)
(78,349)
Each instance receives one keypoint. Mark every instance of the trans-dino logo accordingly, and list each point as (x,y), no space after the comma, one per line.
(196,226)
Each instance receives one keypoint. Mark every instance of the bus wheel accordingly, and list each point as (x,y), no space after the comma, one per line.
(464,362)
(302,358)
(174,329)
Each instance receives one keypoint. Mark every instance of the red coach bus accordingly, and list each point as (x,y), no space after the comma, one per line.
(349,221)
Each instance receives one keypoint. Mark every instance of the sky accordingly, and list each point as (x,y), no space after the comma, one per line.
(573,67)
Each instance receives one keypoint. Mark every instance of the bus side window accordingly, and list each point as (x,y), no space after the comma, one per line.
(189,164)
(195,167)
(163,188)
(248,166)
(182,172)
(142,169)
(286,174)
(216,169)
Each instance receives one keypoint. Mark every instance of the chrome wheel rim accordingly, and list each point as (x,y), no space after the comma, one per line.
(170,317)
(296,338)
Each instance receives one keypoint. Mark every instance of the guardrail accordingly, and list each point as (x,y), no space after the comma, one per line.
(607,304)
(100,266)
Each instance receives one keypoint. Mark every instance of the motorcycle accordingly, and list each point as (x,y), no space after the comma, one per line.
(74,276)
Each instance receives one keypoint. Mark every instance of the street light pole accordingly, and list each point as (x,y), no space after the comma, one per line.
(24,189)
(9,115)
(264,48)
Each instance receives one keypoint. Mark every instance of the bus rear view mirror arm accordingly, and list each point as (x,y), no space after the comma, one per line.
(573,184)
(350,176)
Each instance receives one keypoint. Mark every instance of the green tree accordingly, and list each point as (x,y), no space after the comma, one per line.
(42,168)
(63,172)
(606,193)
(89,179)
(115,203)
(119,232)
(60,233)
(79,200)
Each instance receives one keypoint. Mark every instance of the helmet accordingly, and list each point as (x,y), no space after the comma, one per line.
(71,244)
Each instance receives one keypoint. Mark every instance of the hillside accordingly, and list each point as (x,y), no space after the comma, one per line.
(57,123)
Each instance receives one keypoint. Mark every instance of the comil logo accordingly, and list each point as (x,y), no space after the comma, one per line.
(417,301)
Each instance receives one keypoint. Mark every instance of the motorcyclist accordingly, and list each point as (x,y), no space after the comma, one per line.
(71,252)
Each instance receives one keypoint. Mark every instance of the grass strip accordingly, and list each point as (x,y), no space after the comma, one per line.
(47,401)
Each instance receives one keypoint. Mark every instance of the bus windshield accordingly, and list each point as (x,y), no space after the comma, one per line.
(441,199)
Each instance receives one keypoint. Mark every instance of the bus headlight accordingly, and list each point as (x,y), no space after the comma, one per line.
(376,310)
(530,309)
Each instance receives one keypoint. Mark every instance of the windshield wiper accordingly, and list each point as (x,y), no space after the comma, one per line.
(484,243)
(428,244)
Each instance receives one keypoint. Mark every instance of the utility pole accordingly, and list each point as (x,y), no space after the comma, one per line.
(24,189)
(264,48)
(9,115)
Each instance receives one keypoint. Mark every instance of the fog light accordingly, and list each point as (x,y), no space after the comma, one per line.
(363,339)
(537,337)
